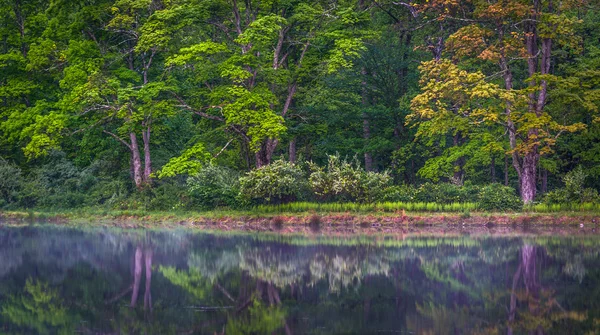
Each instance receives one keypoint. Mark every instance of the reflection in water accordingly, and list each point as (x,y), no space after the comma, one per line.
(68,281)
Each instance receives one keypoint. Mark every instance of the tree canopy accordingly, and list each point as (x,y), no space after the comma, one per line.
(141,94)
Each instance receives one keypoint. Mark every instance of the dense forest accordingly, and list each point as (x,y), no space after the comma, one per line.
(176,104)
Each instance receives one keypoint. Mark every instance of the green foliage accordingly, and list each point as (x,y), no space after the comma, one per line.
(497,197)
(11,182)
(491,197)
(184,87)
(574,190)
(277,182)
(399,193)
(190,162)
(213,187)
(346,181)
(444,193)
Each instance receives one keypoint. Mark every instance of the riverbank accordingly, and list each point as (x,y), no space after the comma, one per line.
(305,222)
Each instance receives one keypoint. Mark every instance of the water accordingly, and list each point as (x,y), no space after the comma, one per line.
(108,281)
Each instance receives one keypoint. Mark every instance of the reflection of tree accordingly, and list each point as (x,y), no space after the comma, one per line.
(260,319)
(445,320)
(255,309)
(541,307)
(137,276)
(39,308)
(245,285)
(341,269)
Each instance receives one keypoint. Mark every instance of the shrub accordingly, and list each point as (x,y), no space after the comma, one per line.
(63,184)
(166,196)
(345,181)
(11,182)
(499,197)
(439,193)
(574,190)
(444,193)
(107,192)
(214,186)
(399,193)
(277,182)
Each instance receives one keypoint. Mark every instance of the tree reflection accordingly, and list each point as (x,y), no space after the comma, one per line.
(206,284)
(39,308)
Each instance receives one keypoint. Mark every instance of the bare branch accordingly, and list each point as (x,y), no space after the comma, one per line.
(117,138)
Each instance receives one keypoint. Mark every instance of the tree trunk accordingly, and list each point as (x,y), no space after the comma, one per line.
(147,157)
(136,160)
(265,154)
(528,180)
(292,150)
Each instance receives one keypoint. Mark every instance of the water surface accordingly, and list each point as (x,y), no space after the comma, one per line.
(108,281)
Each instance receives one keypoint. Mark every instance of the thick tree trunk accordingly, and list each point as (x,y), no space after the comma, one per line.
(265,154)
(136,161)
(528,176)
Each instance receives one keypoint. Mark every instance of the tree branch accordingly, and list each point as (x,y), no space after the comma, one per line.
(117,138)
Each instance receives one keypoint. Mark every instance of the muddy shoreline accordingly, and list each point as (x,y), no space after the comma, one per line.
(336,224)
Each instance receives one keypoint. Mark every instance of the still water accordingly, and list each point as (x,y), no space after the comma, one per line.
(109,281)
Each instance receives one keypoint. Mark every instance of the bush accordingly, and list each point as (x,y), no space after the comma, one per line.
(345,181)
(213,187)
(107,192)
(166,196)
(497,197)
(278,182)
(11,182)
(398,193)
(574,190)
(442,193)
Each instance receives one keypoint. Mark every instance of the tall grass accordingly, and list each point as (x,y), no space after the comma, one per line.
(573,207)
(298,207)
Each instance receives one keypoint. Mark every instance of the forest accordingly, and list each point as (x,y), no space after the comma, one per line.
(204,104)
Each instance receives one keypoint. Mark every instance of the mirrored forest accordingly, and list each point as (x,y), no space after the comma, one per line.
(105,281)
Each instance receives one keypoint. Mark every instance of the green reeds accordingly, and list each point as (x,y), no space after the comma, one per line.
(298,207)
(566,207)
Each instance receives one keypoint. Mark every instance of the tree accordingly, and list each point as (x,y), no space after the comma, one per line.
(506,33)
(253,59)
(115,78)
(454,104)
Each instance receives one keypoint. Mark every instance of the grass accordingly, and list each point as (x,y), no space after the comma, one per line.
(299,207)
(135,218)
(554,208)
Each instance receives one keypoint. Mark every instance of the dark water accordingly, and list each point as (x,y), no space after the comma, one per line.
(105,281)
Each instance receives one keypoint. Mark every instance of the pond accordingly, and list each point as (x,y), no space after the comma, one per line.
(104,280)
